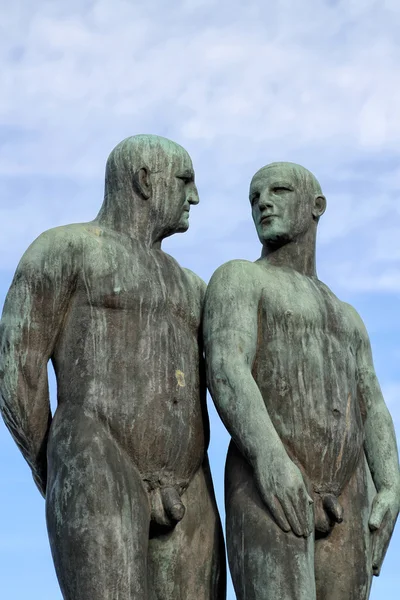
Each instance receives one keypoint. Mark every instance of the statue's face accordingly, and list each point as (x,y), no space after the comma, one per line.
(281,208)
(185,190)
(177,193)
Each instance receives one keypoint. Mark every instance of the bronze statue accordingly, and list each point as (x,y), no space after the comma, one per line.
(130,505)
(291,373)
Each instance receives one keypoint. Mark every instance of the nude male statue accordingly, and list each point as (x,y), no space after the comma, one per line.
(291,373)
(130,505)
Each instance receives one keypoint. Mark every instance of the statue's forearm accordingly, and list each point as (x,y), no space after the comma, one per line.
(25,408)
(381,448)
(33,313)
(242,409)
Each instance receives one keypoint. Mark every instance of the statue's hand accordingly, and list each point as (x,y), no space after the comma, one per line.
(385,509)
(282,488)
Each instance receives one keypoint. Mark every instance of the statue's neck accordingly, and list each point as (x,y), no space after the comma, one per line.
(131,222)
(298,254)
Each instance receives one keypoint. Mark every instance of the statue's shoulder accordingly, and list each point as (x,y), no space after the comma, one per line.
(246,277)
(235,272)
(55,240)
(237,282)
(53,248)
(196,282)
(356,320)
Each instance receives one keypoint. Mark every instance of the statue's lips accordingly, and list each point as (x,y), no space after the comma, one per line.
(266,218)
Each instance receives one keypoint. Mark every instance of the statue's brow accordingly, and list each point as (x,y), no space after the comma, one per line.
(281,183)
(273,183)
(187,173)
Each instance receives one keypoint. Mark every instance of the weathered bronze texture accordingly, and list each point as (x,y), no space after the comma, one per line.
(130,505)
(291,373)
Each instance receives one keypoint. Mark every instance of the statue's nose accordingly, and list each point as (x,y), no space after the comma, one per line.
(265,202)
(193,197)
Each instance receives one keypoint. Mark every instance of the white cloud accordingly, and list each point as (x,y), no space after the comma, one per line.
(289,75)
(366,278)
(239,85)
(349,212)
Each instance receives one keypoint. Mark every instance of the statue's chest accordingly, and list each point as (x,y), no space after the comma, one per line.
(148,287)
(302,310)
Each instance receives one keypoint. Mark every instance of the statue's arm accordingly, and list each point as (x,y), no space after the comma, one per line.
(230,336)
(198,285)
(32,317)
(380,449)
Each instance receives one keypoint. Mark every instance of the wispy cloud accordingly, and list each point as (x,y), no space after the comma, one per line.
(290,74)
(238,85)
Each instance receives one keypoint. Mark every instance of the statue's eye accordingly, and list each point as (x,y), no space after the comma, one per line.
(186,179)
(280,189)
(254,197)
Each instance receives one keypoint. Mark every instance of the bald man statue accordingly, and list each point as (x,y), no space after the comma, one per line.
(130,505)
(291,373)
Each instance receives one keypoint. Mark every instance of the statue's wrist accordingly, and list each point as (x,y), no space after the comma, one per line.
(391,487)
(270,457)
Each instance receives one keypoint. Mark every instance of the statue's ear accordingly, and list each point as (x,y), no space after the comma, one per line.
(141,182)
(319,206)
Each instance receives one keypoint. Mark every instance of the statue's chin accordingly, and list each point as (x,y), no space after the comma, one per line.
(275,239)
(183,226)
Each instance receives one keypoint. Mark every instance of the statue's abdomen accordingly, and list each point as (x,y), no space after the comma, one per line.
(307,377)
(142,377)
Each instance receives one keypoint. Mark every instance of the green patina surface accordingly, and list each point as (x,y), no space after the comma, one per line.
(123,462)
(312,477)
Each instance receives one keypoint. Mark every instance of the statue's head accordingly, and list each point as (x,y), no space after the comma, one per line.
(151,179)
(286,201)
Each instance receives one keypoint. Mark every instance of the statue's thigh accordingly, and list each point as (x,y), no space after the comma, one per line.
(343,563)
(265,562)
(97,516)
(189,561)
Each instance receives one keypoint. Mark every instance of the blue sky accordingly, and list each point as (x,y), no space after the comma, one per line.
(238,85)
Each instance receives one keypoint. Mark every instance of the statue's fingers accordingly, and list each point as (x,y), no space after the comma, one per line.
(378,512)
(278,514)
(381,539)
(307,512)
(380,547)
(291,515)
